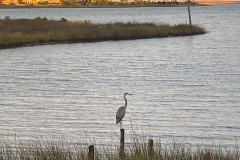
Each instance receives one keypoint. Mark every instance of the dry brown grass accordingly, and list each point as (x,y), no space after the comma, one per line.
(137,150)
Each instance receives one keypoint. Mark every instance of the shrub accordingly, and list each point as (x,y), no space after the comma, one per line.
(63,20)
(41,19)
(7,18)
(38,18)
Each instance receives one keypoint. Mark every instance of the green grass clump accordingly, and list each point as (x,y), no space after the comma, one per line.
(136,150)
(20,32)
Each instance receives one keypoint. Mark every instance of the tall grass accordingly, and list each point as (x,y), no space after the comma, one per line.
(20,32)
(137,150)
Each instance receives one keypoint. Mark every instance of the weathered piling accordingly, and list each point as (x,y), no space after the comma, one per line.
(150,148)
(121,153)
(91,152)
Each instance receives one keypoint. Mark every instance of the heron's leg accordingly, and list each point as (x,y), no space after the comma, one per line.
(121,125)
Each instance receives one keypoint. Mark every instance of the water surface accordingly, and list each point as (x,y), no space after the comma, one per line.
(184,87)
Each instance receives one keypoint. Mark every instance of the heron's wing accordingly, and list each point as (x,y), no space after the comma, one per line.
(120,114)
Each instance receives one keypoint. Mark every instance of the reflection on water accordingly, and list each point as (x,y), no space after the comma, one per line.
(184,87)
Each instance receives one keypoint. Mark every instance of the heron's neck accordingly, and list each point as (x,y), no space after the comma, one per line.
(125,99)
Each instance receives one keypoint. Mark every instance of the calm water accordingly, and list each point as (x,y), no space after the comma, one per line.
(185,87)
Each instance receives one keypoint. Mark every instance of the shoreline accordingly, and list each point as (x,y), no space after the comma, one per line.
(119,5)
(105,5)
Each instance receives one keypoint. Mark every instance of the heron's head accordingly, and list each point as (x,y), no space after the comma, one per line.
(127,94)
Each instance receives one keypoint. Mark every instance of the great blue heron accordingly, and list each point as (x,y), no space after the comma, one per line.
(122,110)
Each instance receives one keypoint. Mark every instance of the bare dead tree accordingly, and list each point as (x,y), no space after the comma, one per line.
(189,12)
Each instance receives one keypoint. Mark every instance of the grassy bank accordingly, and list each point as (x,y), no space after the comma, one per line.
(21,32)
(137,150)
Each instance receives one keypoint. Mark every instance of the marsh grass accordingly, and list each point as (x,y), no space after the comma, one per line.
(137,150)
(20,32)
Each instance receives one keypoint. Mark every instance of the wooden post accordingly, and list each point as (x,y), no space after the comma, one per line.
(150,147)
(189,13)
(121,153)
(91,152)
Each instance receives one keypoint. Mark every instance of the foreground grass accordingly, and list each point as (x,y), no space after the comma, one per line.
(137,150)
(21,32)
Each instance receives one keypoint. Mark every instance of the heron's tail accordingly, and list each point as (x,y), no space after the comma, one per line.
(117,121)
